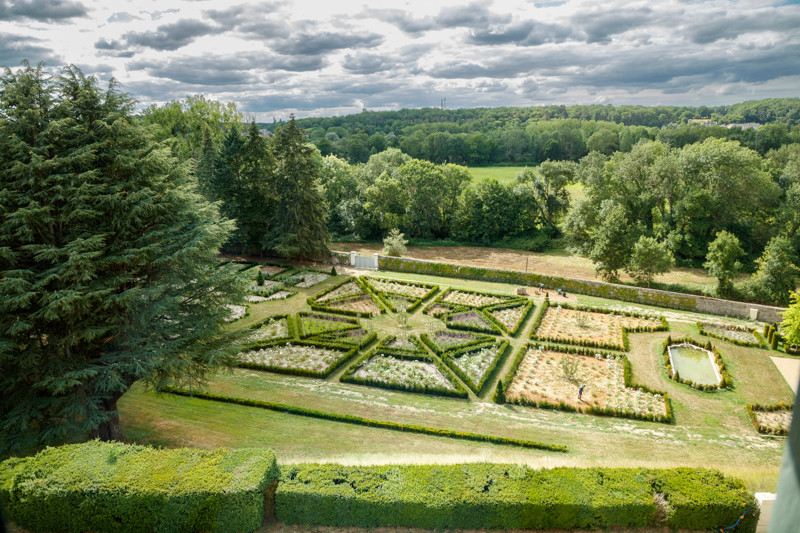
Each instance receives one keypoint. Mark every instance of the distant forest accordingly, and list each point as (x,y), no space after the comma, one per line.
(531,135)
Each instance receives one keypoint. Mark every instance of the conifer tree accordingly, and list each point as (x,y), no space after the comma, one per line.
(256,206)
(298,228)
(108,269)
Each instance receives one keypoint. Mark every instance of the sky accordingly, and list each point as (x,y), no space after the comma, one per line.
(334,57)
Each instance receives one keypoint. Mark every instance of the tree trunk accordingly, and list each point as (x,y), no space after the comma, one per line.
(111,429)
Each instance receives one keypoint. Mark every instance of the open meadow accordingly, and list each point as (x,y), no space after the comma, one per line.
(422,351)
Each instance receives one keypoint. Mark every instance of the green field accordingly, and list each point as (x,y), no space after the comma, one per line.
(508,174)
(712,429)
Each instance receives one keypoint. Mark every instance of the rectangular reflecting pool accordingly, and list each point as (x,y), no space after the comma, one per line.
(694,364)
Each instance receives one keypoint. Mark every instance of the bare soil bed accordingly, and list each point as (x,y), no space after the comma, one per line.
(774,420)
(605,329)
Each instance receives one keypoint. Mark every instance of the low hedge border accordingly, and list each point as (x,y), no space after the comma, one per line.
(353,323)
(782,406)
(376,297)
(361,421)
(316,297)
(349,376)
(290,326)
(420,348)
(452,307)
(758,343)
(668,418)
(512,497)
(348,352)
(664,326)
(115,487)
(425,338)
(340,336)
(325,308)
(448,357)
(509,298)
(417,301)
(510,305)
(723,372)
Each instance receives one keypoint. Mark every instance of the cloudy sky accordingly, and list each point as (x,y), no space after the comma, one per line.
(329,57)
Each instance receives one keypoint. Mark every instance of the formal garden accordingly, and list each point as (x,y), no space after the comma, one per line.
(462,364)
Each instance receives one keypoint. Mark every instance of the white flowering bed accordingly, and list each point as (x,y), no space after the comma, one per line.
(400,303)
(294,356)
(399,343)
(470,299)
(358,304)
(732,333)
(280,295)
(383,285)
(387,369)
(351,288)
(276,328)
(255,299)
(312,278)
(509,317)
(444,339)
(236,312)
(475,363)
(540,377)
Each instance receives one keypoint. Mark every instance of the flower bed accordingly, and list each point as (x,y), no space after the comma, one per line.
(359,337)
(311,278)
(739,335)
(771,419)
(402,344)
(272,329)
(362,305)
(400,304)
(413,290)
(271,270)
(438,309)
(472,320)
(280,295)
(510,317)
(473,299)
(445,339)
(348,288)
(413,375)
(236,312)
(474,365)
(591,327)
(549,378)
(311,324)
(298,358)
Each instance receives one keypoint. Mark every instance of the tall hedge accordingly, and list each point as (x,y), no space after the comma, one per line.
(493,496)
(100,486)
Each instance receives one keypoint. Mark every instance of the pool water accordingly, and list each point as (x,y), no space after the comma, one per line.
(694,364)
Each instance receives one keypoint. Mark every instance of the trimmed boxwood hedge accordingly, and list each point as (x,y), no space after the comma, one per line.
(720,362)
(481,339)
(782,406)
(348,351)
(361,421)
(346,323)
(494,496)
(105,486)
(383,295)
(419,348)
(491,328)
(508,305)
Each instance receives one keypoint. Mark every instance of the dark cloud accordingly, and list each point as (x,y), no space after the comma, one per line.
(406,22)
(41,10)
(720,25)
(171,36)
(540,62)
(201,70)
(367,63)
(323,42)
(600,26)
(15,48)
(474,15)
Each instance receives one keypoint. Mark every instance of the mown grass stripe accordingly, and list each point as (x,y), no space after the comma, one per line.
(302,411)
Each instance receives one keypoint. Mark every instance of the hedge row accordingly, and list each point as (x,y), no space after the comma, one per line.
(348,351)
(668,418)
(509,305)
(494,496)
(448,357)
(768,409)
(425,338)
(350,377)
(759,341)
(361,421)
(675,376)
(105,486)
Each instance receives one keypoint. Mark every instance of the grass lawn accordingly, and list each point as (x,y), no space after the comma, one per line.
(508,174)
(712,429)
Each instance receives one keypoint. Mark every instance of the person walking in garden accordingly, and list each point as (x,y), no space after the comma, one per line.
(580,392)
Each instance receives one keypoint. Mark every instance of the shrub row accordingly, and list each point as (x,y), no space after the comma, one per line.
(720,362)
(668,418)
(757,343)
(448,357)
(361,421)
(350,377)
(425,338)
(105,486)
(518,326)
(348,351)
(495,496)
(347,323)
(782,406)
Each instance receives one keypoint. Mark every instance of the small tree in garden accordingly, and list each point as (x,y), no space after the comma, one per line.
(569,367)
(649,258)
(499,394)
(394,244)
(722,260)
(791,321)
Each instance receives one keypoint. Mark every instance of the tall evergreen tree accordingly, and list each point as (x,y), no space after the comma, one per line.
(256,205)
(205,165)
(298,227)
(108,269)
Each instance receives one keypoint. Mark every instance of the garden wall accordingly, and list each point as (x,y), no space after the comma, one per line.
(641,295)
